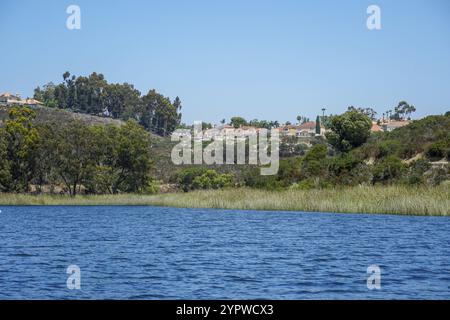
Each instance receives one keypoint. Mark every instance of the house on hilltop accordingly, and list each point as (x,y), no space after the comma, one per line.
(391,125)
(376,127)
(306,129)
(11,100)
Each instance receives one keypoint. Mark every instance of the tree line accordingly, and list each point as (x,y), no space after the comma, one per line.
(93,159)
(75,157)
(94,95)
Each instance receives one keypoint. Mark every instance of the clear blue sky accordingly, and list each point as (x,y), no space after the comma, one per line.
(258,59)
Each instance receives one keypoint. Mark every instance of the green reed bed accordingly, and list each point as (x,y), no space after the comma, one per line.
(388,200)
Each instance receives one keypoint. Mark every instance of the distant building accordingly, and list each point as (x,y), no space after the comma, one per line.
(288,130)
(246,130)
(391,125)
(217,131)
(33,103)
(306,129)
(376,127)
(8,99)
(225,129)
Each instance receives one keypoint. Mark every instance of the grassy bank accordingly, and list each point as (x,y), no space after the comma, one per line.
(391,200)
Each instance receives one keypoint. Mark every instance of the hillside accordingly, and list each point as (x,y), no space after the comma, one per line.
(45,114)
(386,157)
(163,168)
(412,141)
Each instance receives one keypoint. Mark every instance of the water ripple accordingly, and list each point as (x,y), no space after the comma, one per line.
(167,253)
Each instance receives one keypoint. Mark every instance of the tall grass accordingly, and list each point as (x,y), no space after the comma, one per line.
(388,200)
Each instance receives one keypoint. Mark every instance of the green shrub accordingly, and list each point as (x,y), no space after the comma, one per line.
(414,180)
(187,176)
(412,138)
(212,180)
(289,170)
(388,147)
(437,150)
(300,149)
(152,187)
(314,163)
(387,170)
(288,173)
(203,178)
(254,179)
(348,169)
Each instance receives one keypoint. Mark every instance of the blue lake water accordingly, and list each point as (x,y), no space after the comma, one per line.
(168,253)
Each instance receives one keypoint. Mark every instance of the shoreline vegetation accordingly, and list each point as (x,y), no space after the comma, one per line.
(90,142)
(399,200)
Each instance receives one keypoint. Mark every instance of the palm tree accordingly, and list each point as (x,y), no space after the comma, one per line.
(389,114)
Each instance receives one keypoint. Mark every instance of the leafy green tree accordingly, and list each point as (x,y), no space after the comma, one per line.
(260,124)
(206,125)
(94,95)
(238,122)
(159,114)
(73,156)
(21,138)
(46,95)
(326,121)
(5,165)
(121,101)
(134,162)
(45,147)
(349,130)
(403,110)
(122,159)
